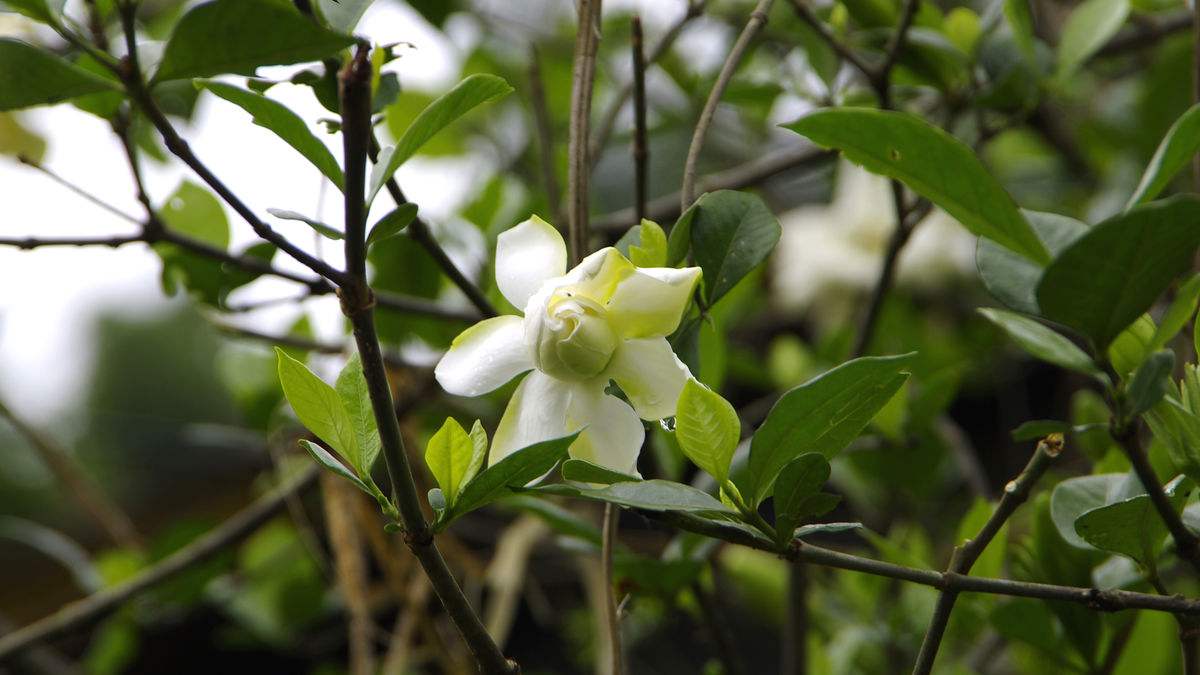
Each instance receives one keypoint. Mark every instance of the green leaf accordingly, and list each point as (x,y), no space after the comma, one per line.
(584,471)
(1012,278)
(822,415)
(655,495)
(1108,277)
(1132,345)
(195,213)
(343,15)
(1076,496)
(1178,314)
(1150,382)
(287,125)
(46,11)
(479,451)
(318,406)
(1131,527)
(679,242)
(1042,342)
(466,95)
(731,233)
(651,251)
(393,223)
(30,76)
(1178,429)
(1037,429)
(1174,152)
(805,531)
(237,36)
(798,482)
(707,429)
(1020,20)
(932,163)
(329,462)
(327,231)
(351,387)
(449,454)
(516,470)
(1091,24)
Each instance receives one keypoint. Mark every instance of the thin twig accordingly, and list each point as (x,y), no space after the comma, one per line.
(583,75)
(78,190)
(612,619)
(544,126)
(98,605)
(758,19)
(111,518)
(822,30)
(640,148)
(304,344)
(964,556)
(892,52)
(1150,33)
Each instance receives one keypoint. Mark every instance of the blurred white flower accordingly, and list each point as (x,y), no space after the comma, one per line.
(830,254)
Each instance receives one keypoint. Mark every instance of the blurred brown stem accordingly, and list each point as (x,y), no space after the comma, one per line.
(350,567)
(583,74)
(640,148)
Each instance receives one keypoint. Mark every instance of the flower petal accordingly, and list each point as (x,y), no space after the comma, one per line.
(651,301)
(613,435)
(596,277)
(527,255)
(484,356)
(537,412)
(650,375)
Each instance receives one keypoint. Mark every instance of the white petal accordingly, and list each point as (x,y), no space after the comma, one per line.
(484,356)
(527,255)
(650,302)
(613,435)
(537,412)
(650,375)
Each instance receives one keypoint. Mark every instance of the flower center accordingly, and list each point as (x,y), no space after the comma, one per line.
(576,341)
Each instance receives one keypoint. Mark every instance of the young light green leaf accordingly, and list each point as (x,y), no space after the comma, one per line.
(466,95)
(1042,342)
(329,462)
(393,223)
(351,387)
(798,482)
(279,119)
(1012,278)
(1178,429)
(317,405)
(449,454)
(583,471)
(237,36)
(651,251)
(327,231)
(731,233)
(343,15)
(46,11)
(1020,20)
(1091,24)
(932,163)
(515,470)
(1174,152)
(1076,496)
(1132,345)
(30,76)
(707,429)
(1150,382)
(1131,527)
(822,415)
(1108,277)
(479,452)
(1178,314)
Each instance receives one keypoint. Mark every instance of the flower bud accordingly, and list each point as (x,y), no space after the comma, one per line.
(573,340)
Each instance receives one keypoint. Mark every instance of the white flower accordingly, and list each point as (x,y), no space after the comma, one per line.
(604,320)
(828,255)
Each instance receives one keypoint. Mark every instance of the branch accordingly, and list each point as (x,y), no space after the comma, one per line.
(758,18)
(394,361)
(822,30)
(609,119)
(883,76)
(100,604)
(358,305)
(583,74)
(544,126)
(964,557)
(33,164)
(1148,34)
(608,541)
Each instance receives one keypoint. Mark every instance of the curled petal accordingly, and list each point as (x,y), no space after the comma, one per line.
(650,301)
(650,375)
(596,277)
(527,255)
(537,412)
(613,434)
(484,356)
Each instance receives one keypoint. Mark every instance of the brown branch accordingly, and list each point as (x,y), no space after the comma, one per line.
(33,164)
(544,126)
(640,147)
(394,361)
(758,19)
(583,75)
(822,30)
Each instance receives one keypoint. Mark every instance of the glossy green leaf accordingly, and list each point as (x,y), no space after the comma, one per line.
(393,223)
(932,163)
(329,462)
(731,233)
(1076,496)
(465,96)
(323,229)
(1178,314)
(318,406)
(583,471)
(1042,342)
(1150,382)
(343,15)
(449,454)
(351,387)
(237,36)
(1131,527)
(516,470)
(1108,277)
(813,529)
(822,415)
(707,429)
(1090,25)
(1173,154)
(798,482)
(279,119)
(30,76)
(656,495)
(479,451)
(1012,278)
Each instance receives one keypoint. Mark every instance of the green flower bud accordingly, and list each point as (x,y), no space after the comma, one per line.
(574,341)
